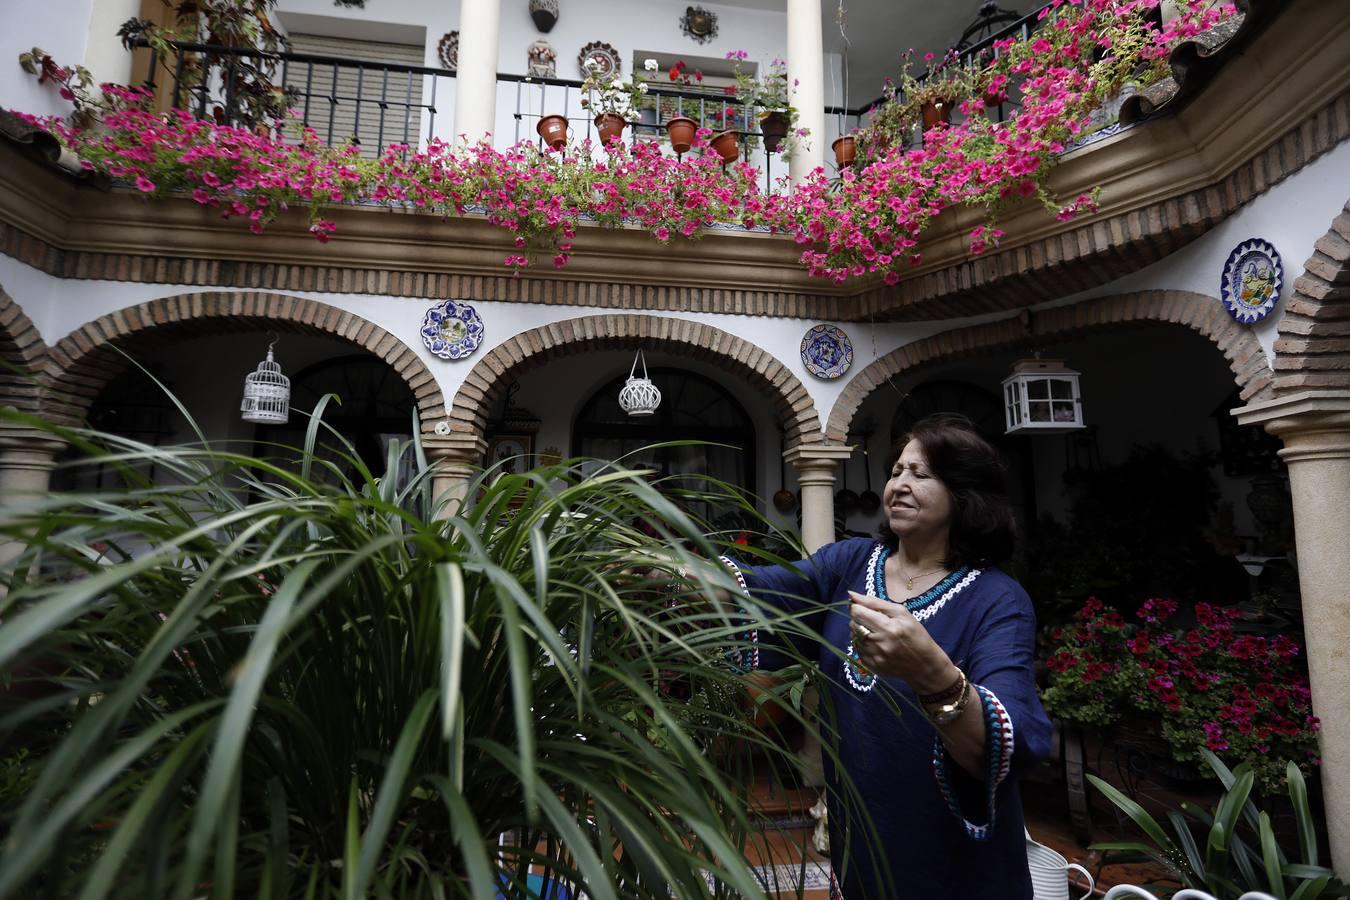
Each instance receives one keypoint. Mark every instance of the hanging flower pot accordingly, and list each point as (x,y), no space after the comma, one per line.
(544,13)
(610,126)
(681,130)
(936,112)
(774,126)
(726,146)
(553,129)
(845,151)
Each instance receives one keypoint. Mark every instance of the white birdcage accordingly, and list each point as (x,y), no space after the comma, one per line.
(1041,397)
(639,397)
(267,394)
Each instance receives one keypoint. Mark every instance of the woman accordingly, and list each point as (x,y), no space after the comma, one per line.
(921,619)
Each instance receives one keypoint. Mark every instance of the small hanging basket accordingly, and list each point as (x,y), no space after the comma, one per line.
(267,394)
(639,397)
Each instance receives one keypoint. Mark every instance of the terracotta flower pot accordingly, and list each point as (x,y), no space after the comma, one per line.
(935,112)
(681,130)
(845,151)
(553,129)
(726,146)
(611,126)
(774,126)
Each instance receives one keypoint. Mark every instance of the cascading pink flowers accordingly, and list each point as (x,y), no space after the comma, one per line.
(866,224)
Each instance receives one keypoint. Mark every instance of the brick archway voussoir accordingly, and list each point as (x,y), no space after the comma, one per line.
(23,357)
(486,382)
(77,370)
(1312,346)
(1199,312)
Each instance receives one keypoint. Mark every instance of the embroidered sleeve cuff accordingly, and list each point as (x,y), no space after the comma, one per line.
(998,749)
(745,654)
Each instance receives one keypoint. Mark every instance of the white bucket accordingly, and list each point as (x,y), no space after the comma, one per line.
(1050,872)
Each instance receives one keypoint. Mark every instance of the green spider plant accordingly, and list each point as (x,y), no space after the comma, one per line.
(249,678)
(1230,860)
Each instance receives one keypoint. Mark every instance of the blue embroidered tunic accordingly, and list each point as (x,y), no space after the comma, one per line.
(942,833)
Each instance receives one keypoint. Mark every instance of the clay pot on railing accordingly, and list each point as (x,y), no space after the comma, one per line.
(553,129)
(681,130)
(610,126)
(936,112)
(726,146)
(774,126)
(845,151)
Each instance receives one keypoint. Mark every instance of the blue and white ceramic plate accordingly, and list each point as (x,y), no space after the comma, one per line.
(1252,279)
(452,329)
(826,351)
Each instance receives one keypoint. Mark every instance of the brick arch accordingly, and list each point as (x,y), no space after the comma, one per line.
(23,356)
(488,379)
(1312,347)
(82,363)
(1199,312)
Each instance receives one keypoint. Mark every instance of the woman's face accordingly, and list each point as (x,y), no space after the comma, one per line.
(916,502)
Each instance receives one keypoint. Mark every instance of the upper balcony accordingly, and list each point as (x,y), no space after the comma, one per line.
(381,99)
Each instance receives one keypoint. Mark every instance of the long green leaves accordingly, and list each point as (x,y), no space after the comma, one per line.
(237,697)
(1211,866)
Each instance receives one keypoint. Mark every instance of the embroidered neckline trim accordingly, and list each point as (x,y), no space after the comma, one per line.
(930,601)
(924,606)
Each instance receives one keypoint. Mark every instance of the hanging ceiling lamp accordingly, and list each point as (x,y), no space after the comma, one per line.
(639,397)
(1041,397)
(267,393)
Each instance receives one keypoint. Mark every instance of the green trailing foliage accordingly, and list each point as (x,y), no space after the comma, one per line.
(253,678)
(1232,849)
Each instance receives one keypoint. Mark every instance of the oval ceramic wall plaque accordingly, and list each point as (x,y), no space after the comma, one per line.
(1252,278)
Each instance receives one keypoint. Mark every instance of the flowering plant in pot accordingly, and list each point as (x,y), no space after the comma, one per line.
(1203,685)
(614,103)
(771,93)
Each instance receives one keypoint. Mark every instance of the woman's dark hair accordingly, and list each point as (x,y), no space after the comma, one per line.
(983,528)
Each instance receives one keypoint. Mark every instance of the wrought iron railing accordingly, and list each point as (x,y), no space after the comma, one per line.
(377,104)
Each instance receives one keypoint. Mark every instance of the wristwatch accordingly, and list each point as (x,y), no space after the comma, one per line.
(947,713)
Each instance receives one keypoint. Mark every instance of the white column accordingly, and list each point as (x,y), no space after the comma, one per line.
(806,70)
(27,457)
(1315,428)
(476,78)
(454,459)
(104,56)
(815,465)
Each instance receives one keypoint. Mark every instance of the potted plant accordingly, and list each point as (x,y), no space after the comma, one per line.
(1208,686)
(771,94)
(553,129)
(238,734)
(726,146)
(615,103)
(845,150)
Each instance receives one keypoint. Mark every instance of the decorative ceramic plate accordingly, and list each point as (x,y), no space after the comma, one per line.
(448,50)
(607,58)
(452,329)
(1252,279)
(826,351)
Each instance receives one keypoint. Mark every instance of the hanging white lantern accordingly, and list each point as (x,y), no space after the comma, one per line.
(267,394)
(1041,397)
(639,397)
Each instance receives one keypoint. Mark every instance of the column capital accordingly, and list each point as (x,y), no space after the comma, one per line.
(16,439)
(463,447)
(817,456)
(1312,424)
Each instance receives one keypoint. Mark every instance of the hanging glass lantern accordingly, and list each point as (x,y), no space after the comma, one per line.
(639,397)
(267,394)
(1041,397)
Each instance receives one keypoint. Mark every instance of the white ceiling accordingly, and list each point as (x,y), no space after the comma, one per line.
(876,33)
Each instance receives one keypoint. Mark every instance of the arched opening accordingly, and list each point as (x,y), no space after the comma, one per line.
(693,408)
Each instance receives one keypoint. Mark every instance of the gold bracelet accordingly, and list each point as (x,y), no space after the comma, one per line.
(950,712)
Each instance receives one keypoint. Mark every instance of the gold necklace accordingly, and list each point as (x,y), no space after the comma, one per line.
(910,579)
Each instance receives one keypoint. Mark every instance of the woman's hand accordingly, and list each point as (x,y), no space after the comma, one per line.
(890,641)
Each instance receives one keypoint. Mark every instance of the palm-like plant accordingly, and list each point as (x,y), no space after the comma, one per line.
(252,679)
